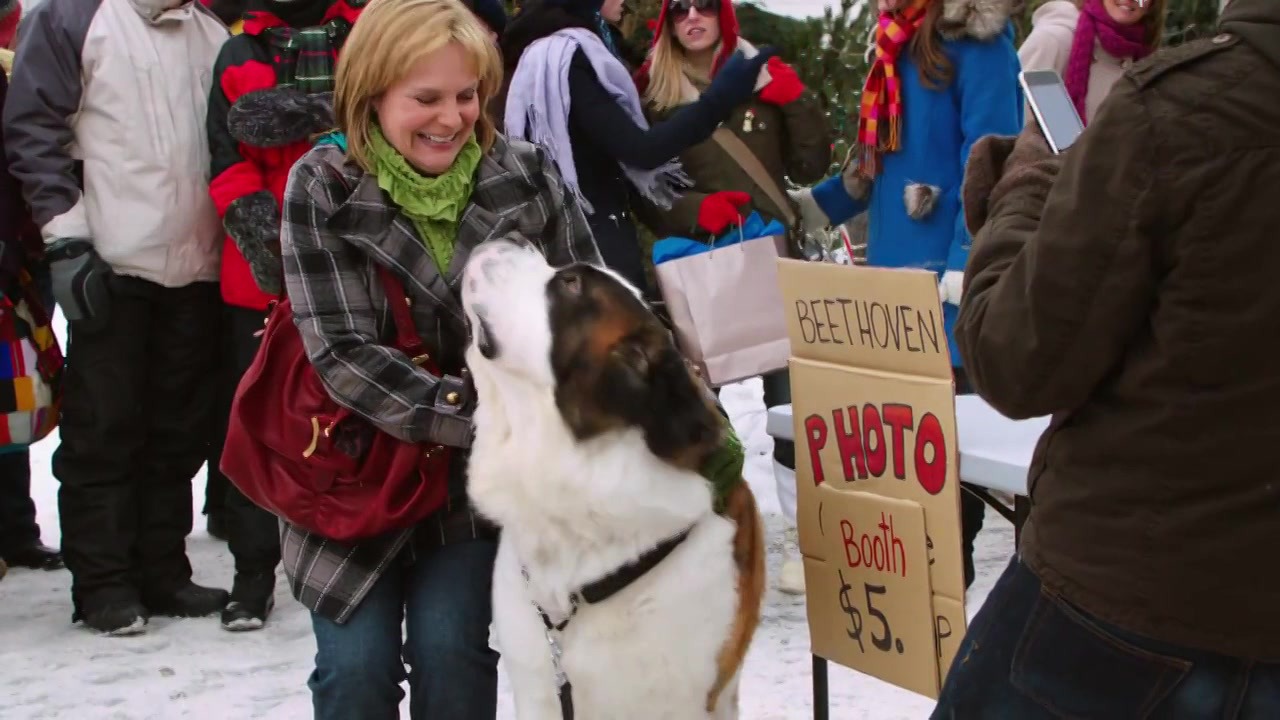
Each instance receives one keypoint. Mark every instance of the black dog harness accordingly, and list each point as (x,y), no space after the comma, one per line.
(597,592)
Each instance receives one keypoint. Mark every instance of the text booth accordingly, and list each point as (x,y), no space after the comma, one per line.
(878,505)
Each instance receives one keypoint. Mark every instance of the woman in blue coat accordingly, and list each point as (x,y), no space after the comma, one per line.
(945,73)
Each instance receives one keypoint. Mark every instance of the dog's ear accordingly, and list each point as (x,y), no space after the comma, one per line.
(652,386)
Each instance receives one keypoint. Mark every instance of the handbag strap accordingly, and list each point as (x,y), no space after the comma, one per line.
(755,170)
(407,338)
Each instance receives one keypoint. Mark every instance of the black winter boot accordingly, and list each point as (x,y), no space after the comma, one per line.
(252,599)
(190,601)
(118,618)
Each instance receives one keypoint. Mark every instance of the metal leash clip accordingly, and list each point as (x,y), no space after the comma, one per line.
(556,653)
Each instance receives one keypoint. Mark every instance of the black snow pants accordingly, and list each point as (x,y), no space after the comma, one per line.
(253,534)
(135,415)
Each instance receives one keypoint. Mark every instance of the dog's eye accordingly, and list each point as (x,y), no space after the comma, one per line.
(571,282)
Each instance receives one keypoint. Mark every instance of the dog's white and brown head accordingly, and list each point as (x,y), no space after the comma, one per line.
(584,335)
(589,427)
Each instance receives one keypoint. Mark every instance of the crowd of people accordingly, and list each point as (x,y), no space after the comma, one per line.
(174,168)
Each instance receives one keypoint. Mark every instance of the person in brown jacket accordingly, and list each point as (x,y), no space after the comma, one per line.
(1128,288)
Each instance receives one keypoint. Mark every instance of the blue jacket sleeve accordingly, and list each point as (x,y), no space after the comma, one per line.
(839,208)
(595,113)
(986,82)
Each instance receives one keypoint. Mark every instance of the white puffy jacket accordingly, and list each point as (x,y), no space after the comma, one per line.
(105,129)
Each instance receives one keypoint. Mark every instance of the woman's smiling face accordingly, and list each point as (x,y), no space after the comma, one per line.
(431,112)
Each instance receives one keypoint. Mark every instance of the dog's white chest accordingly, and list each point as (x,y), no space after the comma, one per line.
(648,652)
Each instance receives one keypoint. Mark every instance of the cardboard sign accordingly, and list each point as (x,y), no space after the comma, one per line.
(874,409)
(876,551)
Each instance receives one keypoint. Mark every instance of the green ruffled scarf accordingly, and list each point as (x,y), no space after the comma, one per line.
(724,468)
(433,204)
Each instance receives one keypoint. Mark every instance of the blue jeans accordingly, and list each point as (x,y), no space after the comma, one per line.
(1029,654)
(442,596)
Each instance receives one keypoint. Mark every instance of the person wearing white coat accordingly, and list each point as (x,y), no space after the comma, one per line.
(1090,43)
(104,127)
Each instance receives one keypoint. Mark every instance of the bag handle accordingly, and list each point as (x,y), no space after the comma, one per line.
(407,338)
(751,165)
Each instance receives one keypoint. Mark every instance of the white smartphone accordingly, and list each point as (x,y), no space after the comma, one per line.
(1052,106)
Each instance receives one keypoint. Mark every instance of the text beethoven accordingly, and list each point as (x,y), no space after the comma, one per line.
(846,321)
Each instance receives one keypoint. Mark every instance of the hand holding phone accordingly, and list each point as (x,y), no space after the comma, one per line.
(1052,106)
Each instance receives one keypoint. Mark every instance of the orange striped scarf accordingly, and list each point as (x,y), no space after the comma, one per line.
(880,118)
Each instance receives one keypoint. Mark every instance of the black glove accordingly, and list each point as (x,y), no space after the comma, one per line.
(253,222)
(81,282)
(736,81)
(279,116)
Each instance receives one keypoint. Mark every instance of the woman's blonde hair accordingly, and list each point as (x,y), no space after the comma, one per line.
(667,68)
(389,38)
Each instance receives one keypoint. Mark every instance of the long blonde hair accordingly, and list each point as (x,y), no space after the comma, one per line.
(389,38)
(667,67)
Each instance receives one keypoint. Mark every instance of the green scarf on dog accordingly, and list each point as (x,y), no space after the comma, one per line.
(724,468)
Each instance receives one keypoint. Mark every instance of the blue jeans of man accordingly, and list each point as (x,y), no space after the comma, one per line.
(1029,654)
(442,598)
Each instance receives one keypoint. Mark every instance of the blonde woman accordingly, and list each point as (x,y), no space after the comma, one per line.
(421,180)
(782,126)
(782,123)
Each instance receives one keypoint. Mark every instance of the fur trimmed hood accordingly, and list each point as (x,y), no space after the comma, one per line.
(977,19)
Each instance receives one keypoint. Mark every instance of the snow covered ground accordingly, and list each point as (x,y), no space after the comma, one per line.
(192,668)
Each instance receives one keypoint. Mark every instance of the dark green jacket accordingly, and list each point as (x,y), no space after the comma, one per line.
(792,141)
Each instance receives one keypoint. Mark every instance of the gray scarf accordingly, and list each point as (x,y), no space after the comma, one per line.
(538,110)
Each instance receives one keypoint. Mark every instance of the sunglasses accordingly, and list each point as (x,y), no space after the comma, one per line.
(679,9)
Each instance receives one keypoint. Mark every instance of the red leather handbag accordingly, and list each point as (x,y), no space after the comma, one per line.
(295,452)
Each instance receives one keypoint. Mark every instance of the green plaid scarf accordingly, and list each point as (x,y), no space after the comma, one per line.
(307,57)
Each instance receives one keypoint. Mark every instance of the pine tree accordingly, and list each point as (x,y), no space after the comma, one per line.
(834,64)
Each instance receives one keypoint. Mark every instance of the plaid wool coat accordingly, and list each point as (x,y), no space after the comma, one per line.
(337,223)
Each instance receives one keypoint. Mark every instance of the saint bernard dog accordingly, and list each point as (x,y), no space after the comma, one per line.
(618,591)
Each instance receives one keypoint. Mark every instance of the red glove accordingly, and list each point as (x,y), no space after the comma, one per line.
(784,84)
(721,209)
